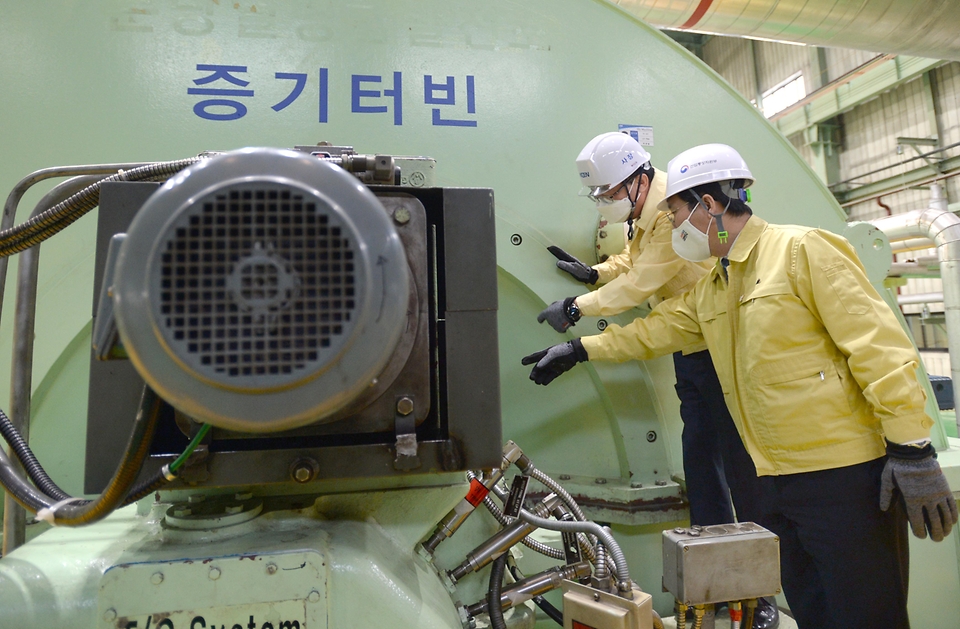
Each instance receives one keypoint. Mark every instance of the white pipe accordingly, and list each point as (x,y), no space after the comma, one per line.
(910,244)
(920,298)
(942,227)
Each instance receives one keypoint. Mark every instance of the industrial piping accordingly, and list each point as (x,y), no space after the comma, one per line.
(926,28)
(941,226)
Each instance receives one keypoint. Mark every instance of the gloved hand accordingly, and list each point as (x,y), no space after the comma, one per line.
(580,271)
(929,501)
(553,361)
(559,316)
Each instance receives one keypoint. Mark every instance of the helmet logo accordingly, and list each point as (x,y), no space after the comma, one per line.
(627,158)
(684,169)
(585,174)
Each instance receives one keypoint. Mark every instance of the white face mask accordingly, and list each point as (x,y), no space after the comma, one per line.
(690,243)
(614,211)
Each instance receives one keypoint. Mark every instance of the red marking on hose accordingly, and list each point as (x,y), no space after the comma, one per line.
(697,14)
(477,492)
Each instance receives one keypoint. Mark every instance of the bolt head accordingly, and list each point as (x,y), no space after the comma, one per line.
(243,496)
(596,596)
(405,406)
(182,512)
(110,615)
(231,509)
(600,481)
(564,477)
(195,498)
(402,216)
(271,568)
(214,574)
(302,474)
(156,578)
(313,596)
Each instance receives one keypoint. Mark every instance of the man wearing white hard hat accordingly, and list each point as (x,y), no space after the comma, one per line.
(616,171)
(821,381)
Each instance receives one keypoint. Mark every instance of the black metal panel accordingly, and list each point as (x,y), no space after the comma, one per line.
(470,253)
(462,430)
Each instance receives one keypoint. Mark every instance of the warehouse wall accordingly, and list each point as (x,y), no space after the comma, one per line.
(867,135)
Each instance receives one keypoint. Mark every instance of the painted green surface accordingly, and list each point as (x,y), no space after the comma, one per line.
(108,82)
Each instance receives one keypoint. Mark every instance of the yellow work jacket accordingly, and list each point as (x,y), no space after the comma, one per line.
(647,267)
(815,368)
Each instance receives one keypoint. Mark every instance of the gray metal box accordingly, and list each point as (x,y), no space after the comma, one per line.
(725,562)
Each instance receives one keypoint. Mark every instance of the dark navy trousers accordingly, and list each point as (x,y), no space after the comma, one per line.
(843,562)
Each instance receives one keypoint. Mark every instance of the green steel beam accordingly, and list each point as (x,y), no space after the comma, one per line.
(858,90)
(897,182)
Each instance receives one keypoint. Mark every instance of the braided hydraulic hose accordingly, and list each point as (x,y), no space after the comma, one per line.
(86,512)
(493,594)
(48,223)
(30,464)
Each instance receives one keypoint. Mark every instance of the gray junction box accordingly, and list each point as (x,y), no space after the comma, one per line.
(725,562)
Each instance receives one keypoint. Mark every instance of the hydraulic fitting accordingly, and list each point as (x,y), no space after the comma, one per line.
(526,589)
(502,541)
(475,495)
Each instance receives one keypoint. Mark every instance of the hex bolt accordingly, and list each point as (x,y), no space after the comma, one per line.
(243,496)
(214,574)
(564,477)
(313,596)
(156,578)
(601,481)
(195,498)
(596,596)
(516,239)
(661,483)
(271,568)
(404,406)
(110,615)
(636,485)
(304,470)
(651,436)
(402,216)
(232,509)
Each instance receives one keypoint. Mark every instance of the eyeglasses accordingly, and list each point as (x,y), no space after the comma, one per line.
(608,197)
(672,212)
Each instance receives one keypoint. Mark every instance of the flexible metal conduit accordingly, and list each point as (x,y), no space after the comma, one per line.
(942,227)
(927,28)
(602,533)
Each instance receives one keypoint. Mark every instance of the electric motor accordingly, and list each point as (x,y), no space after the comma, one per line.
(261,290)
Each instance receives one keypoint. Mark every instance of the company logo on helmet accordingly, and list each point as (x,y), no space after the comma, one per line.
(684,169)
(585,174)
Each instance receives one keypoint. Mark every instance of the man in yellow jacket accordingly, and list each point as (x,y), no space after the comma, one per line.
(626,188)
(821,382)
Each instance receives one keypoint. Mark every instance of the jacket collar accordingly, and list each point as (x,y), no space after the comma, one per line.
(648,213)
(746,240)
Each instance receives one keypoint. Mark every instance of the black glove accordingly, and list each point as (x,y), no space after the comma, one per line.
(926,493)
(580,271)
(560,315)
(553,361)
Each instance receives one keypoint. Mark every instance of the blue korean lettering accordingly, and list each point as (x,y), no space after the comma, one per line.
(447,98)
(301,82)
(357,93)
(220,73)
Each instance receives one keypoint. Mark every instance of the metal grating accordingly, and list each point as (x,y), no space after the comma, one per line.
(256,281)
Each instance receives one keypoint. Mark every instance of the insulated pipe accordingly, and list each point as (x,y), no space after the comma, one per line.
(926,28)
(941,226)
(910,244)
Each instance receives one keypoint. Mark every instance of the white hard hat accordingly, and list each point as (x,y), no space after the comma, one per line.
(705,164)
(608,160)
